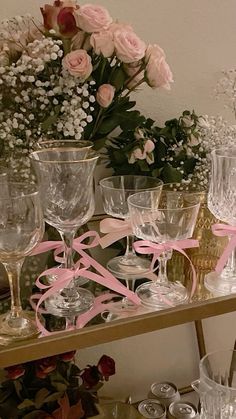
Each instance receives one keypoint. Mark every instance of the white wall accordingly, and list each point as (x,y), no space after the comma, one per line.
(199,40)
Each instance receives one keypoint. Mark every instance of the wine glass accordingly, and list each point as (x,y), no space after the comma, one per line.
(66,185)
(161,219)
(83,148)
(222,204)
(115,192)
(21,229)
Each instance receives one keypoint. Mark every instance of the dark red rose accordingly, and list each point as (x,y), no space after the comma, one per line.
(90,376)
(15,371)
(68,356)
(106,366)
(45,366)
(66,22)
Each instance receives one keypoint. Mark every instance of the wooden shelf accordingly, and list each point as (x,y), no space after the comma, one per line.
(90,336)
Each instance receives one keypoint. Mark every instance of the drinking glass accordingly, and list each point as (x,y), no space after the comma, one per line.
(222,204)
(21,229)
(217,385)
(66,186)
(115,192)
(160,219)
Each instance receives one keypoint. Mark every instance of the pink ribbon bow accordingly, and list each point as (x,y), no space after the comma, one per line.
(114,229)
(222,230)
(65,276)
(146,247)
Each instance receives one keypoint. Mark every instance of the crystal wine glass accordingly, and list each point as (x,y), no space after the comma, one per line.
(222,204)
(21,229)
(159,220)
(115,192)
(66,185)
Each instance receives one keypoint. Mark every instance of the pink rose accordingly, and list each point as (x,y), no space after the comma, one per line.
(81,40)
(117,25)
(128,46)
(78,64)
(105,95)
(102,43)
(93,18)
(158,72)
(144,154)
(61,17)
(134,73)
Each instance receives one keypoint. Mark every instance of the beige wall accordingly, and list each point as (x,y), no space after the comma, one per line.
(199,39)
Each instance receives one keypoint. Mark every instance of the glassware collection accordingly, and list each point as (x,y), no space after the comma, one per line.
(160,216)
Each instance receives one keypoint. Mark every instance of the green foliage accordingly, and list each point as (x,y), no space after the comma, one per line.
(170,153)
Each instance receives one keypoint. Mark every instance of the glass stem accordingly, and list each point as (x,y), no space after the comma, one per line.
(130,283)
(68,238)
(13,271)
(162,274)
(129,246)
(230,268)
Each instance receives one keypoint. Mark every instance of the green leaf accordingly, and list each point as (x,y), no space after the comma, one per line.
(108,125)
(130,120)
(40,397)
(53,397)
(171,175)
(59,386)
(34,415)
(26,403)
(118,78)
(100,143)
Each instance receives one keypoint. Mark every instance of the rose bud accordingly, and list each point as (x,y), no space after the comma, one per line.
(45,366)
(14,372)
(68,356)
(105,95)
(106,366)
(90,376)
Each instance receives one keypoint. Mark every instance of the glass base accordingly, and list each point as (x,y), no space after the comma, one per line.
(17,328)
(156,295)
(69,302)
(219,285)
(131,266)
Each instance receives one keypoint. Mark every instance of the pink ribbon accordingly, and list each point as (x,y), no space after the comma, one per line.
(146,247)
(222,230)
(115,230)
(65,276)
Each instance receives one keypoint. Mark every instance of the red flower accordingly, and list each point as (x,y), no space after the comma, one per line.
(60,17)
(45,366)
(90,376)
(68,356)
(15,371)
(106,366)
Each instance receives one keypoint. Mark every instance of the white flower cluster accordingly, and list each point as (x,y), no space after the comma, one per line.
(38,99)
(215,133)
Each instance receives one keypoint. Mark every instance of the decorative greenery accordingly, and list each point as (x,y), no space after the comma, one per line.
(53,388)
(172,153)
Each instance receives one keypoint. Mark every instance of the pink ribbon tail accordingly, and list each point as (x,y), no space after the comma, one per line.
(222,230)
(114,230)
(146,247)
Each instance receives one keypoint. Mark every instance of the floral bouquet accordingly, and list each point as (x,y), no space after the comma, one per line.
(53,388)
(70,76)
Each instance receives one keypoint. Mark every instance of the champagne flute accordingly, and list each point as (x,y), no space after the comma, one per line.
(21,229)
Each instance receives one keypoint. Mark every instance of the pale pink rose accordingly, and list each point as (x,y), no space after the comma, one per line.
(105,95)
(102,43)
(78,63)
(149,146)
(93,18)
(128,46)
(81,40)
(135,75)
(158,72)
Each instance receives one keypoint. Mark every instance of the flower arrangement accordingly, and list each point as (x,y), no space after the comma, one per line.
(71,76)
(173,153)
(53,388)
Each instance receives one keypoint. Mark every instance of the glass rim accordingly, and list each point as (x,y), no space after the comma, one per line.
(233,351)
(219,150)
(33,153)
(190,206)
(132,189)
(21,193)
(90,144)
